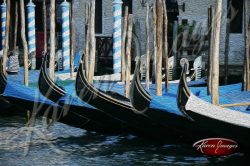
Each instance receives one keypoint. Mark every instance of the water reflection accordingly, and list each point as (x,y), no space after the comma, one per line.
(64,145)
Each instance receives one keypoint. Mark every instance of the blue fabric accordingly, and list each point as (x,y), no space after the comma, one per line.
(77,60)
(19,91)
(228,94)
(231,94)
(71,98)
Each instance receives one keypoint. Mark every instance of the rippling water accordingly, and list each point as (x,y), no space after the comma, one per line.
(64,145)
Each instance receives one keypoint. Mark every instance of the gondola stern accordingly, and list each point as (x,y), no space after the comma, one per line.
(140,99)
(184,93)
(48,87)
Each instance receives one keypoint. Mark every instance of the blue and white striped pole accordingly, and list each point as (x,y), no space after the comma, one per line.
(66,35)
(3,20)
(32,33)
(117,35)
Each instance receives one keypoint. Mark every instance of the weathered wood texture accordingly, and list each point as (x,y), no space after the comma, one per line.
(147,48)
(159,6)
(246,79)
(16,27)
(226,52)
(45,46)
(25,44)
(235,104)
(166,46)
(92,42)
(210,49)
(87,26)
(216,54)
(128,55)
(72,39)
(155,43)
(175,43)
(52,40)
(124,35)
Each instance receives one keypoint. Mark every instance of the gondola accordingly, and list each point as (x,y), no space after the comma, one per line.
(94,119)
(224,122)
(5,104)
(16,99)
(121,108)
(166,113)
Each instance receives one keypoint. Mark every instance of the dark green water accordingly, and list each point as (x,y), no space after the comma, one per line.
(64,145)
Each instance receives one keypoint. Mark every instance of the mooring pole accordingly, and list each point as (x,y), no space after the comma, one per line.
(124,35)
(166,46)
(16,28)
(216,54)
(52,39)
(210,49)
(155,43)
(6,36)
(92,45)
(128,55)
(159,7)
(25,45)
(246,81)
(175,45)
(65,35)
(147,48)
(45,47)
(117,35)
(226,52)
(87,36)
(72,39)
(3,20)
(32,33)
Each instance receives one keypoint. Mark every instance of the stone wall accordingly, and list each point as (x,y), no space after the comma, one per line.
(139,13)
(197,10)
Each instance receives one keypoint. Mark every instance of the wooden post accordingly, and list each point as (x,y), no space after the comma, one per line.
(147,48)
(155,43)
(175,44)
(216,55)
(210,50)
(52,39)
(6,40)
(16,27)
(45,46)
(92,42)
(72,40)
(159,47)
(166,46)
(246,81)
(25,45)
(226,52)
(128,54)
(124,34)
(87,26)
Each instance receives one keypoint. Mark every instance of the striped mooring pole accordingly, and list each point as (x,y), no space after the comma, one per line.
(117,35)
(3,20)
(66,35)
(32,33)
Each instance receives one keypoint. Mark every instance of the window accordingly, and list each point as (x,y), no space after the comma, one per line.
(98,17)
(128,3)
(236,24)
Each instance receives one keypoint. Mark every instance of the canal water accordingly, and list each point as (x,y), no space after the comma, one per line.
(63,145)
